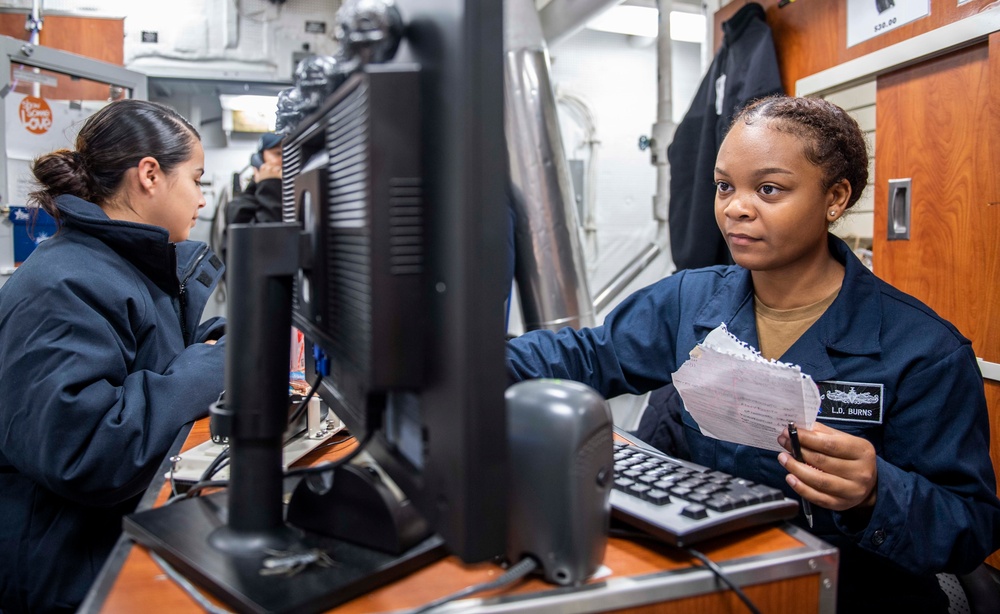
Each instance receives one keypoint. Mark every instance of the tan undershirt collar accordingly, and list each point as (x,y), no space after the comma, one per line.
(778,329)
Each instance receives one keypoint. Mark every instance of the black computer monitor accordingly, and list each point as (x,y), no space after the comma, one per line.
(398,184)
(416,349)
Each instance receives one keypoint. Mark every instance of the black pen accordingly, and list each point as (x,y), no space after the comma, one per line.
(793,434)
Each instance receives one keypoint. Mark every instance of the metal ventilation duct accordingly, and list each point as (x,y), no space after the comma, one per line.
(561,18)
(551,272)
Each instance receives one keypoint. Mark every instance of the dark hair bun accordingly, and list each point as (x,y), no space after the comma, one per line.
(60,172)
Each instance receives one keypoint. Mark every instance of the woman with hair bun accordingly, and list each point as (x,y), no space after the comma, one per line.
(103,354)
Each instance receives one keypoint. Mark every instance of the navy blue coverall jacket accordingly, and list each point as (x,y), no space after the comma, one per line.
(100,367)
(936,506)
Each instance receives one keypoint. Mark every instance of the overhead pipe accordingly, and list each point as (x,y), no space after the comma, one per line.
(550,268)
(563,18)
(627,275)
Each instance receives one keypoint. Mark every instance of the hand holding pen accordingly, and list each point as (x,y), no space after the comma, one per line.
(793,436)
(841,472)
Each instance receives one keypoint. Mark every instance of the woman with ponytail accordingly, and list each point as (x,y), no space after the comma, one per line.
(103,354)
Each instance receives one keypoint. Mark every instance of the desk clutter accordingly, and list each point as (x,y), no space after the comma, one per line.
(312,428)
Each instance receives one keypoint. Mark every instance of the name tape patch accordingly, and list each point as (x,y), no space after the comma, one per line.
(850,402)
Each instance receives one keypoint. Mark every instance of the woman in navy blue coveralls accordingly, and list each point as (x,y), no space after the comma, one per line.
(903,486)
(103,354)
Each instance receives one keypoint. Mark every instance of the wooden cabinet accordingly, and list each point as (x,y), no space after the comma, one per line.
(937,123)
(93,37)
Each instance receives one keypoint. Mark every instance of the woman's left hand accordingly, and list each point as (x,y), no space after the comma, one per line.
(839,470)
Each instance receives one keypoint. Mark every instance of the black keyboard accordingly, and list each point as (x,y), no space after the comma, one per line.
(683,503)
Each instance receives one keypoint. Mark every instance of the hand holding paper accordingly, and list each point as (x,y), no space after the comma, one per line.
(736,395)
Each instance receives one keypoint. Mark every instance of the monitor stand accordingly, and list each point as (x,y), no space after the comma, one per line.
(184,533)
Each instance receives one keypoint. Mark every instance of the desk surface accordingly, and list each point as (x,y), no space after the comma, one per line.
(780,569)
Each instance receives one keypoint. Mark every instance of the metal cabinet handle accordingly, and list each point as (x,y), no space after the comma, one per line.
(899,209)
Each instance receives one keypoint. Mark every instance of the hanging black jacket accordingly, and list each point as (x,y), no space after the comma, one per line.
(101,364)
(745,68)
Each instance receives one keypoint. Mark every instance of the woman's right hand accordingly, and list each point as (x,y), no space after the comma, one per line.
(839,471)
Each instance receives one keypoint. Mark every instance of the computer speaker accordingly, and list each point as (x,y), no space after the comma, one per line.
(561,470)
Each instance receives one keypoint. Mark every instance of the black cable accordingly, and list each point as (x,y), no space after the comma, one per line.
(222,465)
(373,422)
(514,573)
(305,402)
(709,563)
(724,577)
(330,466)
(332,443)
(216,465)
(196,488)
(220,461)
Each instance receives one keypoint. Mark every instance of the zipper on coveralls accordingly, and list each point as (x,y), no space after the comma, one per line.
(183,293)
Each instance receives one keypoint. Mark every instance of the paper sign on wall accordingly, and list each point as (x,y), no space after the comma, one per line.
(35,126)
(869,18)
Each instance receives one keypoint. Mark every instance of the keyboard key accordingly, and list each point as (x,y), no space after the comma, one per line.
(680,491)
(695,511)
(720,503)
(657,496)
(623,483)
(637,490)
(767,493)
(698,497)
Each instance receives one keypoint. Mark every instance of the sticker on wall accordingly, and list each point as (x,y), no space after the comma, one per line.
(869,18)
(35,114)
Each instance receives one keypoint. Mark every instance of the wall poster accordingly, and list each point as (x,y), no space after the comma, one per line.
(869,18)
(35,126)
